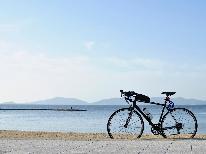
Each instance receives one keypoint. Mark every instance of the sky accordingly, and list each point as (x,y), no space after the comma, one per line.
(90,49)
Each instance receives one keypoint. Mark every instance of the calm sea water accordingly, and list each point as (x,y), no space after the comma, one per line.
(92,120)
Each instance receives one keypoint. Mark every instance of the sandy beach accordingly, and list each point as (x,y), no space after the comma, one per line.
(55,142)
(73,136)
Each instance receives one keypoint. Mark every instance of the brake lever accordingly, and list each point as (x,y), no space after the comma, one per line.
(121,92)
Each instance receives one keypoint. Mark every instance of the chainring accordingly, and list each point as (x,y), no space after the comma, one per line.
(156,130)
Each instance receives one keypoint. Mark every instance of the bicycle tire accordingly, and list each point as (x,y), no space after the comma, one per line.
(116,124)
(179,123)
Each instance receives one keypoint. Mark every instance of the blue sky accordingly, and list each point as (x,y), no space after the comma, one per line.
(91,49)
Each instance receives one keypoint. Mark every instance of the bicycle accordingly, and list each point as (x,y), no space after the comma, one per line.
(127,123)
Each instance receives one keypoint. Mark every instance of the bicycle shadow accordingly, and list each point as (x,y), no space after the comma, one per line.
(151,137)
(174,139)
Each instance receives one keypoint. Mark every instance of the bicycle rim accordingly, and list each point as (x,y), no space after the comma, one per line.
(125,124)
(179,123)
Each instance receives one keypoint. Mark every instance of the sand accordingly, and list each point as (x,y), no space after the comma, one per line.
(72,136)
(55,142)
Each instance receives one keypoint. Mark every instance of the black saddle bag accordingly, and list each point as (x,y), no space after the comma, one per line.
(142,98)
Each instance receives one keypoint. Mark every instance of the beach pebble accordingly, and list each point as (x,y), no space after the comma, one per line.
(65,146)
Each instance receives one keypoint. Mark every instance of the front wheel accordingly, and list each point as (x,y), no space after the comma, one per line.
(179,123)
(125,123)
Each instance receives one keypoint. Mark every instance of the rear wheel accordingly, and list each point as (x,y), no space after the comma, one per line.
(125,123)
(179,123)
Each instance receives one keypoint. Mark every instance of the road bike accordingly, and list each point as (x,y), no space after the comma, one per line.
(127,123)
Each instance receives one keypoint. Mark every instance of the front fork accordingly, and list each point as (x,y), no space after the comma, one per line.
(129,116)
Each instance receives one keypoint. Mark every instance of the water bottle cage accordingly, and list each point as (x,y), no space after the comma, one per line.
(147,113)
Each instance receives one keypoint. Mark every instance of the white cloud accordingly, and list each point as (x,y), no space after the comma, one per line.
(17,26)
(28,76)
(153,65)
(89,45)
(9,28)
(136,63)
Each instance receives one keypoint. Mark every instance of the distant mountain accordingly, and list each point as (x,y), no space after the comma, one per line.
(177,101)
(181,101)
(8,103)
(60,101)
(110,101)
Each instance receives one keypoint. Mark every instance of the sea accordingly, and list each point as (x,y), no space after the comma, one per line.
(93,120)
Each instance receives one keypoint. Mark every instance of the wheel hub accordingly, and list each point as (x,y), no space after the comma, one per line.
(179,126)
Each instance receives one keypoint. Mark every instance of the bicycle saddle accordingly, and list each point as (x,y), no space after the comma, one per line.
(168,93)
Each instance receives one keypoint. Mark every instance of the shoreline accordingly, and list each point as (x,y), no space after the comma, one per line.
(74,136)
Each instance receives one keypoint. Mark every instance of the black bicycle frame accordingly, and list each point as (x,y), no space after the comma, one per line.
(145,116)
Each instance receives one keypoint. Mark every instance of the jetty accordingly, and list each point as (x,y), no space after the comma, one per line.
(48,109)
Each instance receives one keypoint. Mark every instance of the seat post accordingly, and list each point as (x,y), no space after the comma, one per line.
(167,98)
